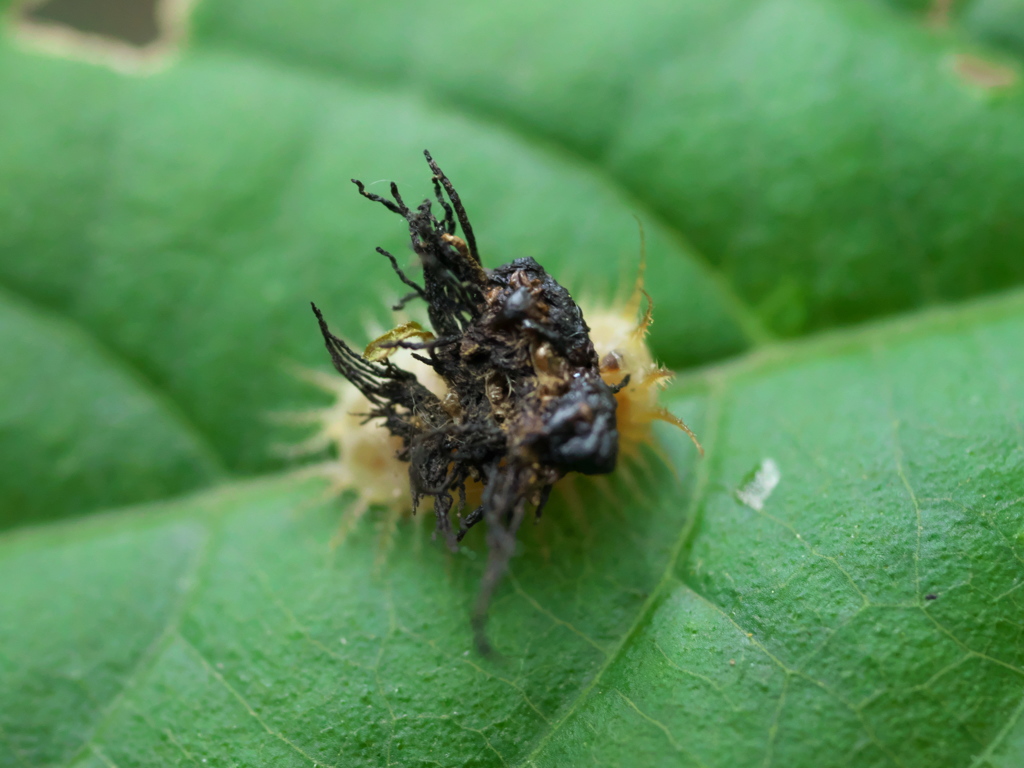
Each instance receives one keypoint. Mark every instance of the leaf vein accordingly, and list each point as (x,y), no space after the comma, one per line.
(661,727)
(245,704)
(153,651)
(714,420)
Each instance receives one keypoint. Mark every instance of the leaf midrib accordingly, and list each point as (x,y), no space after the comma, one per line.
(715,396)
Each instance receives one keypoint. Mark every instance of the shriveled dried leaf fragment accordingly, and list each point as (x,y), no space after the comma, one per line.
(386,345)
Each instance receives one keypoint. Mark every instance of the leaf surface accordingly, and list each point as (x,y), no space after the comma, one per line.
(839,581)
(79,428)
(829,159)
(870,608)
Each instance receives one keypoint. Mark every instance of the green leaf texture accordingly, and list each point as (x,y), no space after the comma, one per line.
(168,593)
(868,612)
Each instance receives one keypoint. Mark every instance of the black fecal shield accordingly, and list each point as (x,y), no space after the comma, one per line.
(544,307)
(525,402)
(582,435)
(577,429)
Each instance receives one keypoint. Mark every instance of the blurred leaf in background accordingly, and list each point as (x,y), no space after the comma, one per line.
(831,194)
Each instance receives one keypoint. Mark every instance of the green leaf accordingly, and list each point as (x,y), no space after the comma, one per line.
(668,625)
(871,609)
(828,158)
(79,429)
(197,266)
(998,22)
(839,581)
(995,23)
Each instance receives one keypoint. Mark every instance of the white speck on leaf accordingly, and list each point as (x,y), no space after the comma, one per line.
(757,490)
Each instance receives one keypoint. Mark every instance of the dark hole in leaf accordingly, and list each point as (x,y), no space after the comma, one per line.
(128,21)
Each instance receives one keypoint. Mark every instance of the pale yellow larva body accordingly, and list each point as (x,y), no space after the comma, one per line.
(364,459)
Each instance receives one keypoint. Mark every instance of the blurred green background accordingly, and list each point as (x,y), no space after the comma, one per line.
(832,196)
